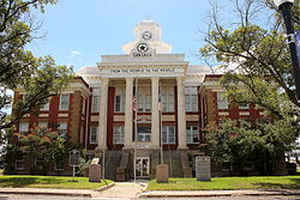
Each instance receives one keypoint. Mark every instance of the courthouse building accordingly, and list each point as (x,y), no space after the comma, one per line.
(99,109)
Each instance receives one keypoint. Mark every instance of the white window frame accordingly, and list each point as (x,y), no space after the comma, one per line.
(144,136)
(17,162)
(64,102)
(118,135)
(166,133)
(43,124)
(45,107)
(59,169)
(191,99)
(93,132)
(144,99)
(83,106)
(22,128)
(244,106)
(222,100)
(62,130)
(191,134)
(168,98)
(95,103)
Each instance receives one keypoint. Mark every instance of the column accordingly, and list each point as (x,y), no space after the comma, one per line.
(155,113)
(128,114)
(102,137)
(181,114)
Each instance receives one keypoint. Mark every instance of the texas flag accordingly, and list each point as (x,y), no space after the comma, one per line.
(298,45)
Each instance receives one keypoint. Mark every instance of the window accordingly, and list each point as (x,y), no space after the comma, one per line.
(244,106)
(118,135)
(64,102)
(168,133)
(59,165)
(45,107)
(222,100)
(144,134)
(95,104)
(43,125)
(144,99)
(19,164)
(62,129)
(191,99)
(38,163)
(93,135)
(192,135)
(83,106)
(167,94)
(24,127)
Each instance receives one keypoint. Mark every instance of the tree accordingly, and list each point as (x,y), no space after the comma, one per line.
(259,71)
(40,144)
(20,70)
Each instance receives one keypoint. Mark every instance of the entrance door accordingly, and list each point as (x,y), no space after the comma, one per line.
(142,167)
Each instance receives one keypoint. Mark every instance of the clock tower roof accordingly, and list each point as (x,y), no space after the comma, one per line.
(150,32)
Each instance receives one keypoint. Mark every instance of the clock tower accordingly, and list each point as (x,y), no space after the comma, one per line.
(147,36)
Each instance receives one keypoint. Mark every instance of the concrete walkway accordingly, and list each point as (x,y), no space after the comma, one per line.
(219,193)
(130,190)
(122,190)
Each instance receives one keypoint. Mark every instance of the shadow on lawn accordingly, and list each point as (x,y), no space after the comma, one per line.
(24,182)
(294,185)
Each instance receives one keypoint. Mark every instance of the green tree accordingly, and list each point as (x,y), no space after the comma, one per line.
(20,70)
(259,71)
(40,144)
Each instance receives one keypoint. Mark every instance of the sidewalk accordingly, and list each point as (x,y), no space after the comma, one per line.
(134,190)
(218,193)
(47,191)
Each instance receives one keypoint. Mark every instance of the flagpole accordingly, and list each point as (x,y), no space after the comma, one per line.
(160,124)
(135,126)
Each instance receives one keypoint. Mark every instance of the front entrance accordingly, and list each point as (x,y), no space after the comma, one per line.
(142,167)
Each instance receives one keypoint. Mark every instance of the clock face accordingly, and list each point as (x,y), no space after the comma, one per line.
(147,35)
(142,47)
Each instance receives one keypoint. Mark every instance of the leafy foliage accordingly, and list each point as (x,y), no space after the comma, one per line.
(40,144)
(20,69)
(259,71)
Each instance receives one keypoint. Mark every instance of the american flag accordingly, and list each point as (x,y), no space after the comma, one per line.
(297,36)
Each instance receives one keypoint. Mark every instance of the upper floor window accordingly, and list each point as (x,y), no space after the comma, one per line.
(45,107)
(95,103)
(93,134)
(168,133)
(83,106)
(23,127)
(222,100)
(191,99)
(192,135)
(64,102)
(144,99)
(118,135)
(244,106)
(119,100)
(62,129)
(167,94)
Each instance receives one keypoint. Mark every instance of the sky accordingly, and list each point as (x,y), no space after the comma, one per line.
(77,32)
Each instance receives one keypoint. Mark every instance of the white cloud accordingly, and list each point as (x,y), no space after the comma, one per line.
(75,53)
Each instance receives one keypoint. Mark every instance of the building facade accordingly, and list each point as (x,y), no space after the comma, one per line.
(136,103)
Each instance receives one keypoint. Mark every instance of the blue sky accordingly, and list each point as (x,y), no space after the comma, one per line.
(78,32)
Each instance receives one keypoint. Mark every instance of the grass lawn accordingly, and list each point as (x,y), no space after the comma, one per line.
(49,182)
(228,183)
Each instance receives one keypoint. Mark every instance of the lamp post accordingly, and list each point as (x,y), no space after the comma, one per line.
(285,8)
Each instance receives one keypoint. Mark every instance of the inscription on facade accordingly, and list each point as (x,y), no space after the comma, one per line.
(150,70)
